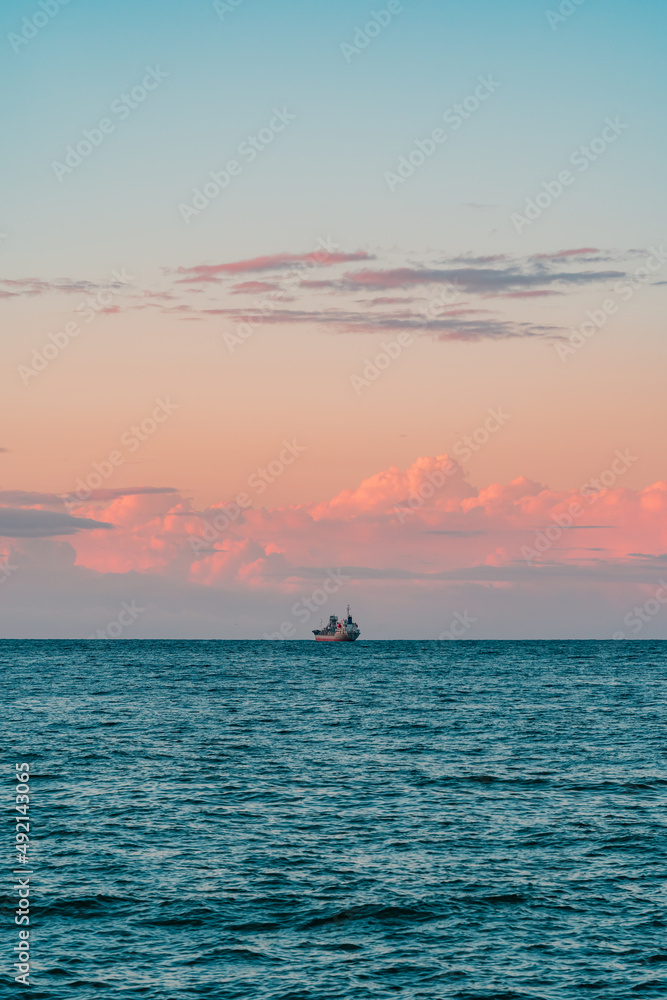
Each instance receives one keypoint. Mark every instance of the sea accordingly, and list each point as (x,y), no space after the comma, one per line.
(339,821)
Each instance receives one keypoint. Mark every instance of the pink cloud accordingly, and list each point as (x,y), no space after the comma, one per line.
(248,287)
(567,253)
(414,545)
(424,523)
(270,262)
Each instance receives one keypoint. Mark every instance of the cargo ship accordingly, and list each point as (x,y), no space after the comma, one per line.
(335,631)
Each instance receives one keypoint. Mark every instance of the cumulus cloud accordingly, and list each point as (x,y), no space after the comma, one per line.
(413,544)
(426,519)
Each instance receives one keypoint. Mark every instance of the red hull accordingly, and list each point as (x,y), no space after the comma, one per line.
(335,638)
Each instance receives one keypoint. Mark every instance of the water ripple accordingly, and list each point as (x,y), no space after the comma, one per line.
(285,821)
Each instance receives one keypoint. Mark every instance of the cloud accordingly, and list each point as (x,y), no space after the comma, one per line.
(416,544)
(131,491)
(481,280)
(253,287)
(21,523)
(389,300)
(199,292)
(13,287)
(25,498)
(580,252)
(397,520)
(452,326)
(535,294)
(454,533)
(270,262)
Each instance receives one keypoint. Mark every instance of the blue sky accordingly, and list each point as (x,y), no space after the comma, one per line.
(324,175)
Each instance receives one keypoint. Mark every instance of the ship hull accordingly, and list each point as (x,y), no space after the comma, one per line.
(335,638)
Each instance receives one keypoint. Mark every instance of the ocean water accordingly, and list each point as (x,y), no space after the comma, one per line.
(295,821)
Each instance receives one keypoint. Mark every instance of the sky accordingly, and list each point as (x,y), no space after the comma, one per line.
(367,294)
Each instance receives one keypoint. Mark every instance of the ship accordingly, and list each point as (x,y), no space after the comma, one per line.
(338,631)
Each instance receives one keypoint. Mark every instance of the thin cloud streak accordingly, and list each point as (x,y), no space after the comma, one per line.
(17,522)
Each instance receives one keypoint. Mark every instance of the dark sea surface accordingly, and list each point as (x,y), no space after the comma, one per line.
(296,821)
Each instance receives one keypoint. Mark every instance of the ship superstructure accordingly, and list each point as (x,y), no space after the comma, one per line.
(338,631)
